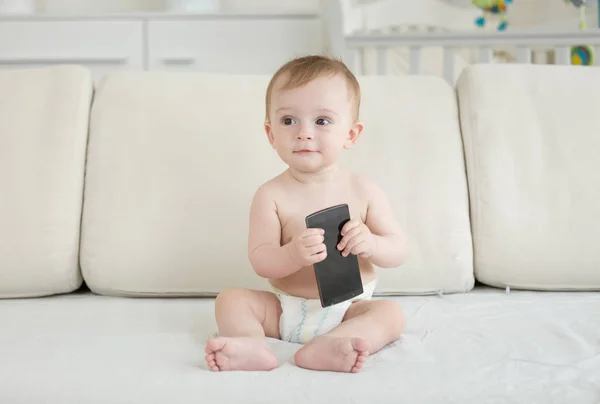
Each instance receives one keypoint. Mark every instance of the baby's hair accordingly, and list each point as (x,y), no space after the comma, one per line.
(302,70)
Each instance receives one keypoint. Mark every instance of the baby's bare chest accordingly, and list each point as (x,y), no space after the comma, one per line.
(294,207)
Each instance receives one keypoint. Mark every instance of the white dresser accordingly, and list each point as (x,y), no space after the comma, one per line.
(225,43)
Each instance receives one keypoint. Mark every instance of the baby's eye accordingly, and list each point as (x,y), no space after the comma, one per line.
(288,121)
(323,121)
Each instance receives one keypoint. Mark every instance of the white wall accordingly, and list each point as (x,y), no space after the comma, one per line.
(98,6)
(523,13)
(110,6)
(552,13)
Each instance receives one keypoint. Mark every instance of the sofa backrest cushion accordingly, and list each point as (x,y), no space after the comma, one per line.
(532,141)
(411,146)
(43,133)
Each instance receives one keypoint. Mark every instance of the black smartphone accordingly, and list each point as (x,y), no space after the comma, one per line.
(338,277)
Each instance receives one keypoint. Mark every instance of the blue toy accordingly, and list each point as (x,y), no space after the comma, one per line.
(498,7)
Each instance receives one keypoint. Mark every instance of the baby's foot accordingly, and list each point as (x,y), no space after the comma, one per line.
(333,354)
(242,353)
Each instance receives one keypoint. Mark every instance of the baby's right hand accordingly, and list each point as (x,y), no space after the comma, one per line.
(307,248)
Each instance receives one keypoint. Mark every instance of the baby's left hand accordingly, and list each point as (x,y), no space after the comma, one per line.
(356,239)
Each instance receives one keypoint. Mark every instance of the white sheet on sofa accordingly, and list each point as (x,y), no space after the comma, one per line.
(43,133)
(532,141)
(485,346)
(174,160)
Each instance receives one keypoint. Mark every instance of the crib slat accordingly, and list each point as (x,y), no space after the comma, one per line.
(562,55)
(357,61)
(540,57)
(485,54)
(449,65)
(415,60)
(382,61)
(524,55)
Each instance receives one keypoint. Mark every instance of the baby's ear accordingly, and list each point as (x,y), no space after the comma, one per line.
(353,135)
(269,133)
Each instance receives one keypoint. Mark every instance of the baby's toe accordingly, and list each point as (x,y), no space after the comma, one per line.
(212,364)
(358,366)
(360,346)
(211,361)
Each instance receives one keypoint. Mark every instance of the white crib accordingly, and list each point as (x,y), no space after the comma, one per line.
(382,38)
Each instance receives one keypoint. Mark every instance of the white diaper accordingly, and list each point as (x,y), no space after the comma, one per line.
(305,319)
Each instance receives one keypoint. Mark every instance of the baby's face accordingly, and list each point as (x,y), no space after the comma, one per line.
(311,125)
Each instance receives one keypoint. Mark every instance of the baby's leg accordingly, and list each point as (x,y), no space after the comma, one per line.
(244,318)
(367,327)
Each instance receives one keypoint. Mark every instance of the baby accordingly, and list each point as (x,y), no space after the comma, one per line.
(312,108)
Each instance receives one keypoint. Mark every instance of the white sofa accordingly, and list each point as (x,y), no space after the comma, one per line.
(139,190)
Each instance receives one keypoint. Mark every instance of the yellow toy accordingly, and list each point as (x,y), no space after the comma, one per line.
(582,55)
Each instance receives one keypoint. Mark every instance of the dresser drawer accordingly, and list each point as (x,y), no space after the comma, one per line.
(101,46)
(251,45)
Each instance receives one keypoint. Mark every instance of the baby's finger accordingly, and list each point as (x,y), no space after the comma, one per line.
(349,226)
(360,249)
(312,232)
(318,257)
(349,236)
(313,240)
(356,250)
(352,244)
(316,249)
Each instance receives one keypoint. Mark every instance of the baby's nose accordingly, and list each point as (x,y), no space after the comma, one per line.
(304,135)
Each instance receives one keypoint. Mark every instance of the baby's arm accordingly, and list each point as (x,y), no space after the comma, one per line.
(390,242)
(268,257)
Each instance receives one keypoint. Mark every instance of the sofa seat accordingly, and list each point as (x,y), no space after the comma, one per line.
(484,346)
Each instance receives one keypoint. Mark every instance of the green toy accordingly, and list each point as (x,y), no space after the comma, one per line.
(498,7)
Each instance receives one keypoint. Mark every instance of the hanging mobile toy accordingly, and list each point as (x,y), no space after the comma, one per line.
(582,55)
(498,7)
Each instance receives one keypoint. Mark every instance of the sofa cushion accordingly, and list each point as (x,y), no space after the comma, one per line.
(174,160)
(532,141)
(411,146)
(43,133)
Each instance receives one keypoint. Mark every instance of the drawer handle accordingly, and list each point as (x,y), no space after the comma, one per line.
(54,61)
(178,60)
